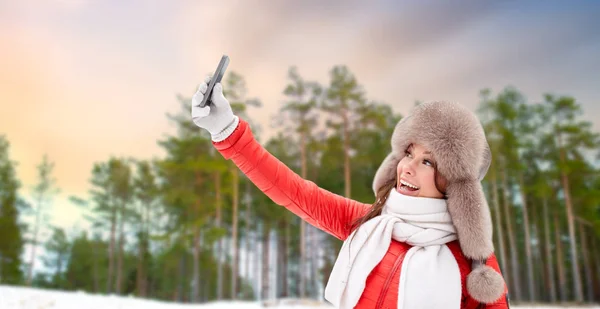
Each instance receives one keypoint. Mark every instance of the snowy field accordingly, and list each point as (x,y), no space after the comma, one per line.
(27,298)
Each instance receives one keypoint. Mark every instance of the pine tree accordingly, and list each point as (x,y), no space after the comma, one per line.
(42,194)
(303,99)
(11,242)
(57,255)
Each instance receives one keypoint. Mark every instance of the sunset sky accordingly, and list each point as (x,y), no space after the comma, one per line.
(83,80)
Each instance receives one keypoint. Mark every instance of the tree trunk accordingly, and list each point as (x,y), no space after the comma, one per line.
(562,279)
(530,279)
(111,251)
(282,259)
(315,259)
(58,274)
(499,230)
(234,242)
(196,267)
(140,278)
(511,241)
(265,262)
(571,224)
(219,224)
(317,234)
(303,228)
(278,263)
(180,278)
(34,242)
(288,241)
(311,262)
(573,243)
(120,254)
(550,264)
(249,235)
(145,281)
(257,260)
(347,180)
(140,267)
(95,276)
(586,264)
(205,283)
(196,256)
(596,265)
(538,267)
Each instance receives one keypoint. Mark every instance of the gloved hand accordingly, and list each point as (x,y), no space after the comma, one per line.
(217,118)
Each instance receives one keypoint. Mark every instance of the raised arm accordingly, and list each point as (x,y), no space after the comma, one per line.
(325,210)
(234,139)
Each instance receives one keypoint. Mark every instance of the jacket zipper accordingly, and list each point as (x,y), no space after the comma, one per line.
(388,280)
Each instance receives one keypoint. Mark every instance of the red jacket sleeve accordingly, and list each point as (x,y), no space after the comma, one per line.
(325,210)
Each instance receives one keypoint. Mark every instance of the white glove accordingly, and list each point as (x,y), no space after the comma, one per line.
(217,118)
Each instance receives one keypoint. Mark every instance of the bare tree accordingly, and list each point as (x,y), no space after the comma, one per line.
(43,192)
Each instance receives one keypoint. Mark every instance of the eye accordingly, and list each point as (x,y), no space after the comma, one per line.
(427,162)
(407,153)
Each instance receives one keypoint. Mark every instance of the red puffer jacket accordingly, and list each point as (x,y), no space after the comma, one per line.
(331,213)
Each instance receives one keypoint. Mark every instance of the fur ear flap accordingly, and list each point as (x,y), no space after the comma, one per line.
(471,217)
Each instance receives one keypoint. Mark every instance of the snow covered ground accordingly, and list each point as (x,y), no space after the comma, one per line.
(27,298)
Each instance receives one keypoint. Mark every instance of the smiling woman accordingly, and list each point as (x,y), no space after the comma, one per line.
(425,244)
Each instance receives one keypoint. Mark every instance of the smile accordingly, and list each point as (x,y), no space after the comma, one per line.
(408,184)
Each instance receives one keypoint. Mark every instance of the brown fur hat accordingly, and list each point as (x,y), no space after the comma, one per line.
(459,147)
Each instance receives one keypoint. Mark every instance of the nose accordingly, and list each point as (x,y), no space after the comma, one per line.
(408,168)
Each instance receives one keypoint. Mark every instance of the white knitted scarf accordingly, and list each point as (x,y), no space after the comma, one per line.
(429,277)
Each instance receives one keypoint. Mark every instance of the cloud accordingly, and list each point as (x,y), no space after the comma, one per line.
(400,52)
(84,80)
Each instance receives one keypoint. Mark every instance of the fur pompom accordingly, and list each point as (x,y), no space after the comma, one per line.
(485,285)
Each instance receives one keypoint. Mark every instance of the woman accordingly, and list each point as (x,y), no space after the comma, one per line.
(426,241)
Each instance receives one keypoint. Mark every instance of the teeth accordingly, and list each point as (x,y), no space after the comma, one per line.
(408,184)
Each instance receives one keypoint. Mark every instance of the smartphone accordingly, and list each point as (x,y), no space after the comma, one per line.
(215,79)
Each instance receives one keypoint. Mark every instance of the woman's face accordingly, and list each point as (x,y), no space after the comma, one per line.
(416,173)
